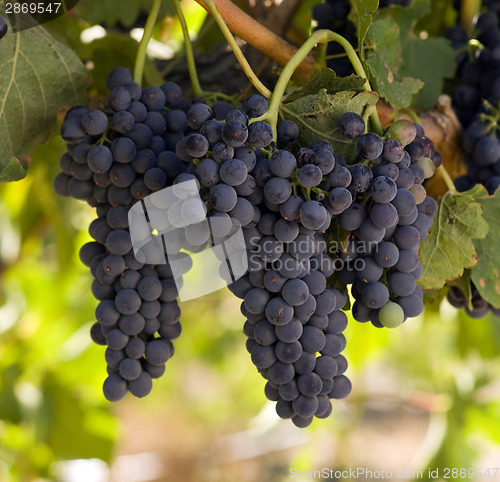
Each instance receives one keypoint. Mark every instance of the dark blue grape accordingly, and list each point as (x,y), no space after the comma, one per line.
(383,189)
(122,122)
(312,215)
(278,311)
(351,125)
(114,388)
(375,295)
(400,284)
(340,199)
(233,172)
(277,190)
(288,131)
(119,76)
(352,218)
(234,133)
(223,197)
(123,149)
(119,99)
(141,386)
(260,134)
(361,178)
(370,146)
(138,110)
(95,122)
(384,215)
(255,106)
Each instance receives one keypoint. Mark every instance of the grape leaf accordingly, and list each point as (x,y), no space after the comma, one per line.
(37,77)
(449,248)
(361,16)
(385,62)
(317,116)
(430,60)
(13,169)
(327,79)
(111,12)
(486,274)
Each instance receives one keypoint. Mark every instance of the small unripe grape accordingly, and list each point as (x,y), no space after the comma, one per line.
(428,166)
(403,131)
(391,315)
(419,192)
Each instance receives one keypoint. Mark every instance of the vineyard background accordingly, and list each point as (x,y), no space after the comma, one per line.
(425,396)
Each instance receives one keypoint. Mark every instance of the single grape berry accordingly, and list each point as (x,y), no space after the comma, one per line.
(351,125)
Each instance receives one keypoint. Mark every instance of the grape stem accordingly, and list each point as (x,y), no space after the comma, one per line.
(196,88)
(188,49)
(143,44)
(412,115)
(260,37)
(447,179)
(254,80)
(468,10)
(320,36)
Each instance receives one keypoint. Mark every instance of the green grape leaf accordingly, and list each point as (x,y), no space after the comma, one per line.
(384,62)
(449,248)
(111,12)
(13,169)
(317,116)
(38,76)
(327,79)
(361,15)
(429,60)
(486,274)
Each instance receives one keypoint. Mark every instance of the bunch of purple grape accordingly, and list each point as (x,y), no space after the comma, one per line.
(116,157)
(389,213)
(285,199)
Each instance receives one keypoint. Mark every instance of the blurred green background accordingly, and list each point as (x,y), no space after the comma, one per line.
(425,396)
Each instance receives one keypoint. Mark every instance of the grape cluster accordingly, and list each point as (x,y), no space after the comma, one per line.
(479,72)
(476,98)
(479,306)
(389,214)
(116,157)
(476,101)
(283,198)
(481,146)
(291,314)
(290,298)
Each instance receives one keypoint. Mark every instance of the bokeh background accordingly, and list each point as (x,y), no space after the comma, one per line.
(425,396)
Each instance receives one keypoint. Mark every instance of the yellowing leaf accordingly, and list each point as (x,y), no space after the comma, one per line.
(449,248)
(486,275)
